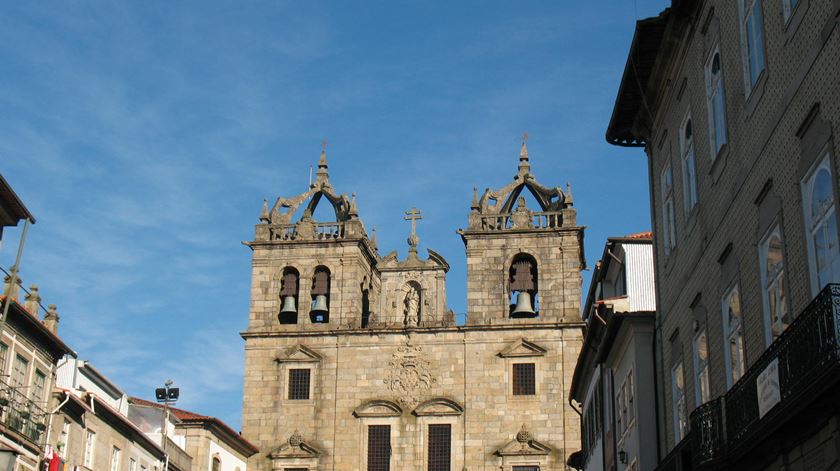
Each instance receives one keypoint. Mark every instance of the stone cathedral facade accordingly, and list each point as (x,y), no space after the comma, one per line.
(353,360)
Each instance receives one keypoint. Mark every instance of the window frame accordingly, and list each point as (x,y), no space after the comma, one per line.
(807,185)
(701,369)
(666,188)
(366,447)
(732,376)
(747,13)
(513,377)
(428,445)
(688,159)
(678,406)
(116,455)
(715,88)
(289,374)
(777,283)
(89,455)
(789,8)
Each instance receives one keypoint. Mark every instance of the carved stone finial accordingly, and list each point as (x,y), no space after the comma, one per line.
(323,174)
(524,436)
(373,238)
(569,200)
(474,206)
(8,286)
(524,165)
(264,214)
(51,318)
(295,439)
(32,300)
(354,210)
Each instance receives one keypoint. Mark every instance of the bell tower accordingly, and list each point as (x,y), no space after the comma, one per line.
(311,275)
(523,264)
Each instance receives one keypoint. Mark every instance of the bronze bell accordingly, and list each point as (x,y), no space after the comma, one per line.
(289,304)
(523,303)
(320,306)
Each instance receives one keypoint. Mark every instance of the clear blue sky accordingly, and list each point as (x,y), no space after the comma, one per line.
(145,135)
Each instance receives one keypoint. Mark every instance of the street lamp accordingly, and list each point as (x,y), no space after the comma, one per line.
(166,395)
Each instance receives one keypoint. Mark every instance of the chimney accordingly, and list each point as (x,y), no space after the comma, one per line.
(51,319)
(32,300)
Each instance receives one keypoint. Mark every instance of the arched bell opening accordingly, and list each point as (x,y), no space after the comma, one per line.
(320,304)
(522,281)
(289,288)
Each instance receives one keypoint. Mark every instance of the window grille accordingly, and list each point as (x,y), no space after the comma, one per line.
(526,468)
(524,383)
(440,447)
(379,448)
(299,384)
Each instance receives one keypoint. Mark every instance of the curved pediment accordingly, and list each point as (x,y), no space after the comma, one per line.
(378,408)
(438,407)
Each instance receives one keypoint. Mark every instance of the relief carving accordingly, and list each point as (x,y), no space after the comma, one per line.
(409,375)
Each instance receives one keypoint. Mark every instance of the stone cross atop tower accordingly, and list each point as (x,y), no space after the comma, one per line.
(413,215)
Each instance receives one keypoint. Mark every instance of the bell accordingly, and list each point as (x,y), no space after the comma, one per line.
(320,306)
(289,304)
(523,303)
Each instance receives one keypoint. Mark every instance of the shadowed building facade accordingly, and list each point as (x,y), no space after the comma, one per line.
(353,360)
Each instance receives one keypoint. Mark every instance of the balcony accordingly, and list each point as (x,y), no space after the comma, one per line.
(21,415)
(793,374)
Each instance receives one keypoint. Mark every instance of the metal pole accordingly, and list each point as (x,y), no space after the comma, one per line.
(13,276)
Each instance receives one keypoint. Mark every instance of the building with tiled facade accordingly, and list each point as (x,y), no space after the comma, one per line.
(737,107)
(353,360)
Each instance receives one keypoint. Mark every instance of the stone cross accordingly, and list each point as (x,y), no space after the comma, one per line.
(413,215)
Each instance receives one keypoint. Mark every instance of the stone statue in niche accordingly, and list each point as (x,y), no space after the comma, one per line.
(411,304)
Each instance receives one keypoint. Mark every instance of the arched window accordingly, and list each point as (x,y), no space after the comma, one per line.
(289,284)
(822,228)
(320,311)
(522,280)
(217,464)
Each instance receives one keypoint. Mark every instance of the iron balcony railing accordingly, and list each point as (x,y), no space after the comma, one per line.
(21,414)
(806,355)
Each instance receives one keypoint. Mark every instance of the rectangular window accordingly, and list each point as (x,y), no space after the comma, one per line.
(524,382)
(38,387)
(733,330)
(299,384)
(689,166)
(64,439)
(440,447)
(668,224)
(526,468)
(19,371)
(702,392)
(379,448)
(715,103)
(754,39)
(4,352)
(115,459)
(678,401)
(772,266)
(90,443)
(132,465)
(821,226)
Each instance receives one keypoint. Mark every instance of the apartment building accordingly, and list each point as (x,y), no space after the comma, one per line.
(737,106)
(614,376)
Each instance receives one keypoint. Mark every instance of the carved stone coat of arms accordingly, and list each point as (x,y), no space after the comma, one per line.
(409,375)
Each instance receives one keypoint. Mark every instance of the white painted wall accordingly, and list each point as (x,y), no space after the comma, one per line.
(230,462)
